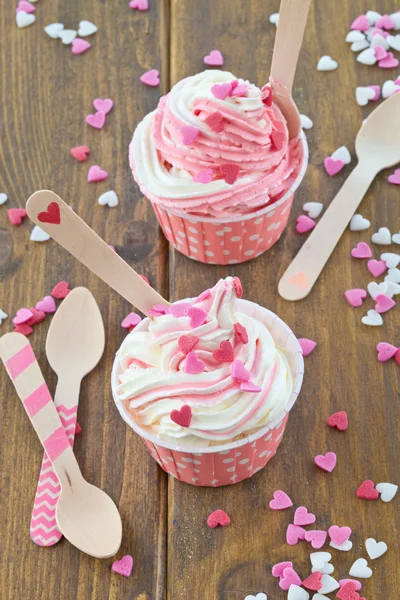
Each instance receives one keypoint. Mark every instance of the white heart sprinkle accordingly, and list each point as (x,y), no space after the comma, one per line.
(375,549)
(394,42)
(355,36)
(260,596)
(346,546)
(392,260)
(360,569)
(274,19)
(382,237)
(359,45)
(314,209)
(86,28)
(393,275)
(53,30)
(38,235)
(110,198)
(24,19)
(389,88)
(318,559)
(379,40)
(343,154)
(396,20)
(367,57)
(326,63)
(387,491)
(373,16)
(297,593)
(319,597)
(3,198)
(372,318)
(306,122)
(67,35)
(393,289)
(358,223)
(396,238)
(3,316)
(329,584)
(377,288)
(364,95)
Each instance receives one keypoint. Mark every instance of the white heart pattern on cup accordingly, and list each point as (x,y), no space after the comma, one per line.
(382,237)
(343,154)
(86,28)
(53,30)
(314,209)
(109,198)
(372,318)
(375,549)
(326,63)
(358,223)
(38,235)
(24,19)
(360,569)
(387,491)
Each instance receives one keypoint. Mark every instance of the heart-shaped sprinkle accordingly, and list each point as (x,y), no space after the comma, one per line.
(260,596)
(355,36)
(249,386)
(38,235)
(230,173)
(303,517)
(394,42)
(367,57)
(343,154)
(203,296)
(80,153)
(326,462)
(382,237)
(189,134)
(3,198)
(218,517)
(355,297)
(392,260)
(97,120)
(372,318)
(388,89)
(204,176)
(297,593)
(339,420)
(237,284)
(360,24)
(375,549)
(87,28)
(316,537)
(221,90)
(23,315)
(396,238)
(139,4)
(362,250)
(214,59)
(103,105)
(109,198)
(197,316)
(277,570)
(53,30)
(180,309)
(306,122)
(239,371)
(37,317)
(393,289)
(23,19)
(186,343)
(47,305)
(345,547)
(124,566)
(393,275)
(377,288)
(376,267)
(289,577)
(356,584)
(367,491)
(332,166)
(395,177)
(304,224)
(215,122)
(278,139)
(274,19)
(61,290)
(294,534)
(224,353)
(96,174)
(151,78)
(307,346)
(383,303)
(389,62)
(67,36)
(241,333)
(377,92)
(313,581)
(239,90)
(280,501)
(193,365)
(25,329)
(131,321)
(348,592)
(360,569)
(158,309)
(267,95)
(385,351)
(358,223)
(326,63)
(26,6)
(387,491)
(385,22)
(314,209)
(329,584)
(320,562)
(339,535)
(360,45)
(3,316)
(16,215)
(182,417)
(380,52)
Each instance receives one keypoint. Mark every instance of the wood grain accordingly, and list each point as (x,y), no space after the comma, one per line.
(45,94)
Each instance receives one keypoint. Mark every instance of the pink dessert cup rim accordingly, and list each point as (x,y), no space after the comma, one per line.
(253,215)
(297,374)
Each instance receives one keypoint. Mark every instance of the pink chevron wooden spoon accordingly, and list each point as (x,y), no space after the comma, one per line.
(86,516)
(74,346)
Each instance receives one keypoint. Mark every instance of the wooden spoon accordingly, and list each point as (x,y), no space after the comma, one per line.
(74,345)
(289,37)
(86,516)
(47,210)
(377,148)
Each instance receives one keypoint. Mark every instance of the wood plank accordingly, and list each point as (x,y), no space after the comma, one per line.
(46,92)
(342,373)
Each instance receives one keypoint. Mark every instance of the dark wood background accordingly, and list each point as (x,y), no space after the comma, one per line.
(45,93)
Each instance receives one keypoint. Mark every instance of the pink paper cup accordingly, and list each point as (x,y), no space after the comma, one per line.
(233,240)
(229,463)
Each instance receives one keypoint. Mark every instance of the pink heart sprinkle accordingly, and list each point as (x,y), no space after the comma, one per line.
(96,174)
(355,297)
(280,501)
(317,538)
(103,106)
(289,577)
(239,90)
(249,386)
(307,346)
(380,52)
(303,517)
(362,250)
(123,566)
(294,534)
(221,90)
(389,62)
(197,316)
(193,365)
(326,462)
(139,4)
(395,177)
(47,305)
(203,296)
(23,315)
(180,309)
(339,535)
(332,166)
(357,584)
(151,78)
(383,303)
(378,31)
(80,46)
(160,309)
(385,351)
(377,90)
(361,23)
(131,320)
(277,570)
(204,176)
(97,120)
(304,224)
(25,6)
(214,59)
(239,371)
(189,134)
(376,267)
(385,22)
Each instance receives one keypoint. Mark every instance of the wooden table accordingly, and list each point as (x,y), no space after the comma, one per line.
(45,95)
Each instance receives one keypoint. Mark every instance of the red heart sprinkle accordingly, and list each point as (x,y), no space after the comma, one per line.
(16,215)
(224,352)
(278,139)
(24,328)
(186,343)
(397,356)
(61,290)
(241,333)
(238,287)
(37,316)
(313,582)
(215,122)
(80,153)
(52,215)
(339,420)
(230,173)
(218,517)
(367,491)
(182,417)
(348,592)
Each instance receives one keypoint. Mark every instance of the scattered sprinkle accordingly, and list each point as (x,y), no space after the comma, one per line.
(218,517)
(38,235)
(16,215)
(130,321)
(214,59)
(124,566)
(367,491)
(182,417)
(355,296)
(307,346)
(326,462)
(339,420)
(80,153)
(96,174)
(151,78)
(280,501)
(326,63)
(109,198)
(60,291)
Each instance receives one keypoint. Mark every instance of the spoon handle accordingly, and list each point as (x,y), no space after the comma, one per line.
(289,37)
(305,268)
(55,217)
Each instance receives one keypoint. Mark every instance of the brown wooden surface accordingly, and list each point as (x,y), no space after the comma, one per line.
(45,94)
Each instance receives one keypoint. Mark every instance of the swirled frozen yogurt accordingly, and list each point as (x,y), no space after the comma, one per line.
(203,372)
